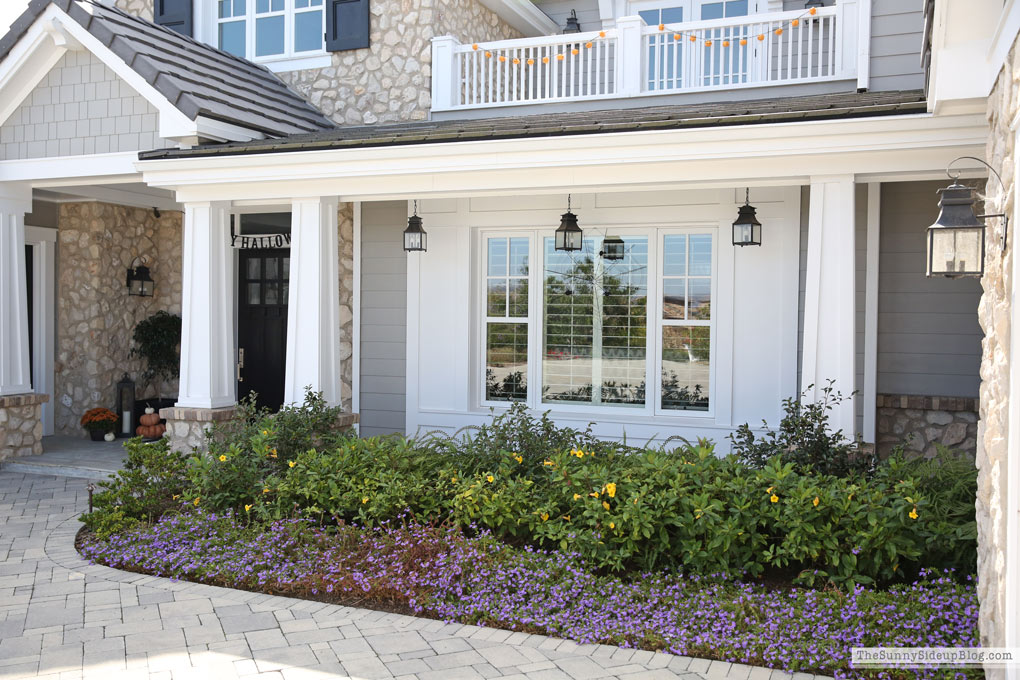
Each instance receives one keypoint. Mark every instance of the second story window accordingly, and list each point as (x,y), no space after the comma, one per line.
(264,30)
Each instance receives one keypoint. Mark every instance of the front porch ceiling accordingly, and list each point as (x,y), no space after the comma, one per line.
(135,195)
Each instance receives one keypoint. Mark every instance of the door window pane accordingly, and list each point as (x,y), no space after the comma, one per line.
(595,325)
(254,293)
(269,36)
(307,31)
(254,268)
(272,268)
(506,362)
(686,367)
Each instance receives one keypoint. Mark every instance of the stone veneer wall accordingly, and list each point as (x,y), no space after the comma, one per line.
(139,8)
(345,220)
(920,422)
(994,315)
(391,80)
(21,427)
(95,315)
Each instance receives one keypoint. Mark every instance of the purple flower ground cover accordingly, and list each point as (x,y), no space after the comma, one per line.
(440,572)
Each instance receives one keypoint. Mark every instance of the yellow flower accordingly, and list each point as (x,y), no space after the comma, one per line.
(223,459)
(612,525)
(576,496)
(548,462)
(364,499)
(491,479)
(594,494)
(291,463)
(545,516)
(266,490)
(453,479)
(247,508)
(774,498)
(176,496)
(605,505)
(769,490)
(265,432)
(611,489)
(197,500)
(566,517)
(273,454)
(913,513)
(519,459)
(815,502)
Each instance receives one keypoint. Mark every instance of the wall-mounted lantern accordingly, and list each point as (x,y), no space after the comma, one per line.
(573,25)
(126,406)
(956,241)
(568,235)
(613,248)
(415,238)
(814,3)
(139,281)
(746,228)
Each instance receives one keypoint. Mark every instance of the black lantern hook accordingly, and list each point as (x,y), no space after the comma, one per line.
(956,180)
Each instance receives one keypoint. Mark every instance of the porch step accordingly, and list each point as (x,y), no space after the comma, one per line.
(38,467)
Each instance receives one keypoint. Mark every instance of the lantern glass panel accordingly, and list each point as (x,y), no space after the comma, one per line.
(956,252)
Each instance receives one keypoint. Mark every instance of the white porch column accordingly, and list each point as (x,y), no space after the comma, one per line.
(15,378)
(313,324)
(829,338)
(207,309)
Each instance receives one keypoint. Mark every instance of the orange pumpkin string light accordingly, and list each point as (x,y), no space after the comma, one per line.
(761,36)
(516,60)
(602,34)
(813,11)
(795,23)
(474,46)
(559,57)
(725,43)
(588,45)
(502,58)
(743,41)
(575,51)
(676,36)
(779,31)
(488,55)
(708,43)
(545,60)
(694,38)
(531,62)
(662,27)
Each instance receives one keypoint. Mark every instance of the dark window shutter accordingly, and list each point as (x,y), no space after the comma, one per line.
(347,24)
(176,15)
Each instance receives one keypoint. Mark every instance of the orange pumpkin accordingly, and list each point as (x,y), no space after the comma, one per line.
(140,430)
(149,419)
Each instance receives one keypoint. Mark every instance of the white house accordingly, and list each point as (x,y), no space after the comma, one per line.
(263,159)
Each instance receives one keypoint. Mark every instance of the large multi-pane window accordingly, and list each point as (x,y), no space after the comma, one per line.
(268,29)
(587,329)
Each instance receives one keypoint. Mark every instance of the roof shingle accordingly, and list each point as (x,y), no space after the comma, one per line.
(197,79)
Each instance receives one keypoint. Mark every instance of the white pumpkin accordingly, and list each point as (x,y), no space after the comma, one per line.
(149,409)
(110,436)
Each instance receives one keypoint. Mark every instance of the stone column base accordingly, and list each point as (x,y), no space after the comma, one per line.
(21,427)
(186,427)
(950,421)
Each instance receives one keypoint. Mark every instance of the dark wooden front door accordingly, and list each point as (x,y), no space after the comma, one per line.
(262,324)
(30,280)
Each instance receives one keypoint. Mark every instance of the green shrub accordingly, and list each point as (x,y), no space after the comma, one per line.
(806,439)
(150,485)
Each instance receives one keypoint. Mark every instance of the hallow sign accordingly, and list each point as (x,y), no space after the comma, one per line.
(259,242)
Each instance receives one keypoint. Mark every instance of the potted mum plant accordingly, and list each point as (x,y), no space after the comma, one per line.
(99,422)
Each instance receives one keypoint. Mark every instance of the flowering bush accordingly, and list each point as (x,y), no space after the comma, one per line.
(99,420)
(445,572)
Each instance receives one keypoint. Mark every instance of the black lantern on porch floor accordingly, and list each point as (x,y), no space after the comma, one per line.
(415,238)
(956,242)
(747,228)
(613,248)
(568,236)
(139,281)
(126,406)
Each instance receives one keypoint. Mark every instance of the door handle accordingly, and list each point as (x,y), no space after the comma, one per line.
(240,363)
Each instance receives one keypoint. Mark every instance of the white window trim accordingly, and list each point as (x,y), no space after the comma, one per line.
(652,408)
(207,30)
(690,6)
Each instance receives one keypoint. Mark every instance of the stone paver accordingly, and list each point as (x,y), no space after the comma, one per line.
(62,618)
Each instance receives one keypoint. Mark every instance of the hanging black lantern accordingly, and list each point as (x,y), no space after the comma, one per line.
(415,238)
(612,248)
(126,406)
(568,235)
(956,242)
(746,228)
(813,3)
(573,25)
(139,282)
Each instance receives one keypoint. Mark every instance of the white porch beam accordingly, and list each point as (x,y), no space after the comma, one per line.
(829,340)
(15,377)
(207,310)
(313,325)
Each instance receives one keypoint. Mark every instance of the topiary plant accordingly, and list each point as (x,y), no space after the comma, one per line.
(156,340)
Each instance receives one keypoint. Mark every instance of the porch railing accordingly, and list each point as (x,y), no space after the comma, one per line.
(633,59)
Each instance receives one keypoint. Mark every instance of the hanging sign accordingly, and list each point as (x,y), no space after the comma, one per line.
(260,241)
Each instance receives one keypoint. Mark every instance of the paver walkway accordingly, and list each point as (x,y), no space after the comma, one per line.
(62,618)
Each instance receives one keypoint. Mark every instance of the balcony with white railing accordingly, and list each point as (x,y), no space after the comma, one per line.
(636,60)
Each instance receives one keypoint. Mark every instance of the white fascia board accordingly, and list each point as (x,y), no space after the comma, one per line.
(524,16)
(134,199)
(782,153)
(220,131)
(28,62)
(111,168)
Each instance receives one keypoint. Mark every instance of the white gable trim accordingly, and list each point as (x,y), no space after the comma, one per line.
(52,35)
